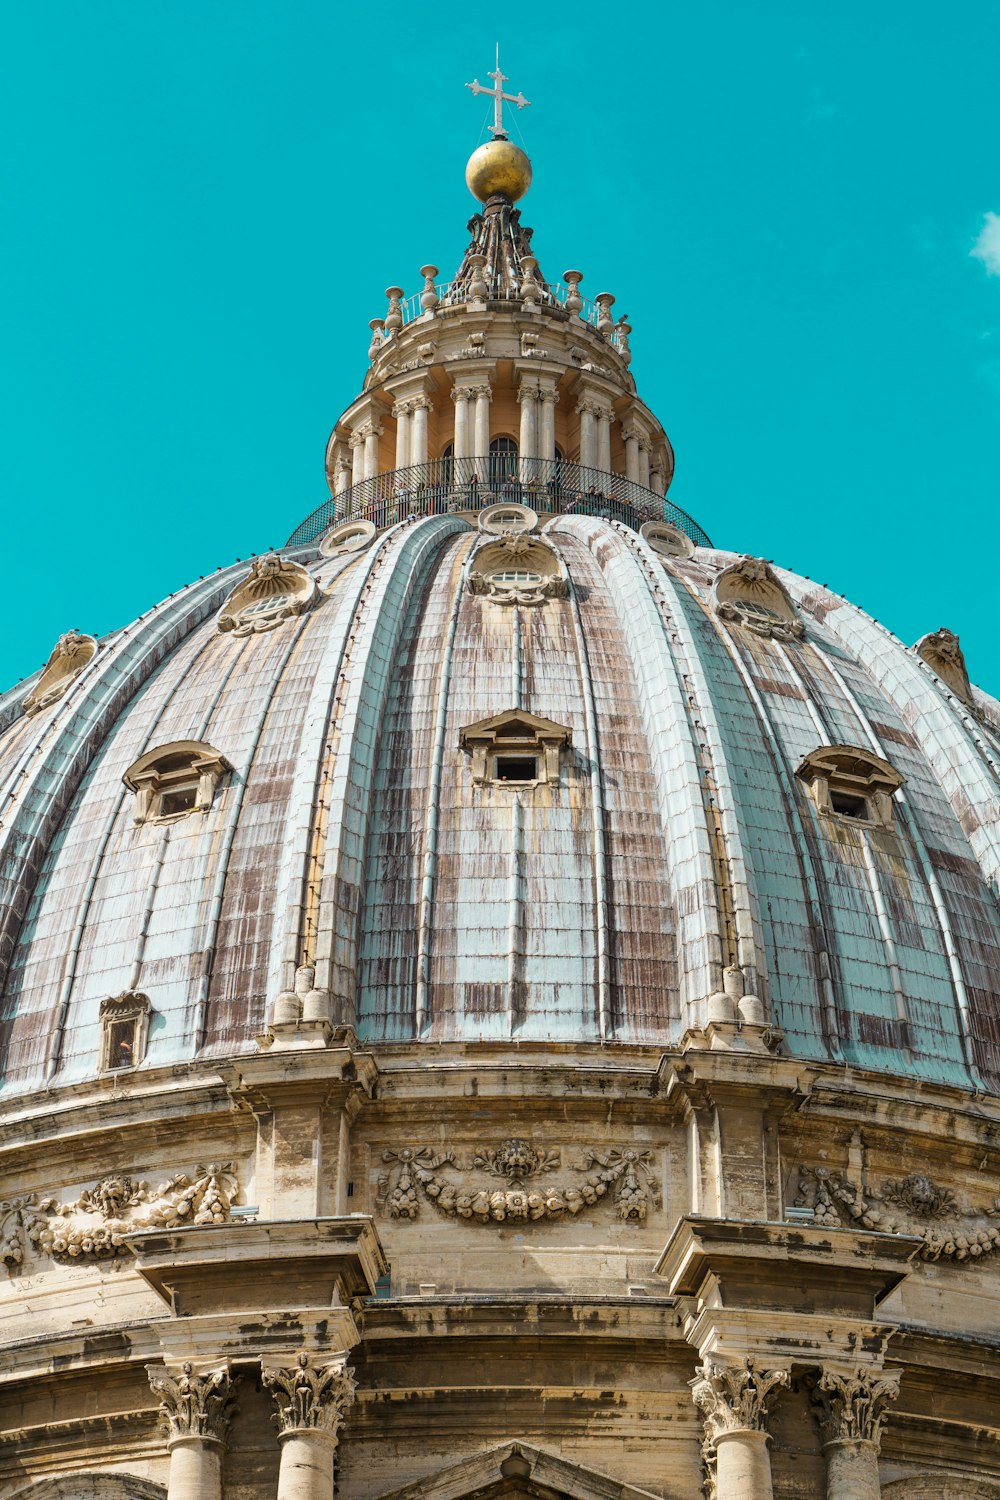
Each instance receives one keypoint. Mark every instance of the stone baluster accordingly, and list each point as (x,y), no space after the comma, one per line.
(196,1410)
(429,298)
(547,425)
(462,399)
(372,432)
(418,430)
(588,411)
(356,443)
(528,442)
(734,1401)
(401,412)
(631,437)
(574,302)
(478,288)
(481,442)
(852,1413)
(605,322)
(312,1402)
(529,284)
(394,317)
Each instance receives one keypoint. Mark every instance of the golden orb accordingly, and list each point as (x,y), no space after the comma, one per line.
(498,167)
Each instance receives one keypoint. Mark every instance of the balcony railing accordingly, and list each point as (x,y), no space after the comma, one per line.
(550,294)
(445,486)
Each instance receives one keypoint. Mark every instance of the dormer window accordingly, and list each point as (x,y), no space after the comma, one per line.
(515,749)
(749,594)
(502,518)
(124,1026)
(175,780)
(517,569)
(275,589)
(851,784)
(667,540)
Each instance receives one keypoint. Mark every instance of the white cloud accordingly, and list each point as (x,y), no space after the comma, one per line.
(987,247)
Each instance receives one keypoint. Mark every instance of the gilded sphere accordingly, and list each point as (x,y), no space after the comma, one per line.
(498,167)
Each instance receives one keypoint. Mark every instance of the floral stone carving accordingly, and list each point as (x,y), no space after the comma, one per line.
(902,1205)
(194,1405)
(309,1398)
(852,1407)
(735,1397)
(622,1173)
(94,1226)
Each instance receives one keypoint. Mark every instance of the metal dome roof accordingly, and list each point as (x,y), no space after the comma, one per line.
(673,838)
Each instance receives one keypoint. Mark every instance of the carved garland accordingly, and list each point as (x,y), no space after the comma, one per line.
(964,1235)
(94,1226)
(623,1173)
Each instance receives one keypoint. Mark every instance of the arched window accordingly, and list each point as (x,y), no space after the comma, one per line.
(175,780)
(448,464)
(503,461)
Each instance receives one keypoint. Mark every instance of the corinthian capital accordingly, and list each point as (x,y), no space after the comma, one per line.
(852,1407)
(311,1399)
(194,1405)
(735,1397)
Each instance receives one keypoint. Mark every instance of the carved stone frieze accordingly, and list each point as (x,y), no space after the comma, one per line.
(852,1408)
(734,1398)
(194,1405)
(310,1398)
(902,1205)
(623,1174)
(94,1225)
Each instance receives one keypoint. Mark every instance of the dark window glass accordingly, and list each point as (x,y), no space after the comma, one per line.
(516,768)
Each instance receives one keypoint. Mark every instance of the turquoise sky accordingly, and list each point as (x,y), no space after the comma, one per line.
(204,202)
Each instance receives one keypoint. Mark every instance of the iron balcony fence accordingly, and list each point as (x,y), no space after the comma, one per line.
(444,486)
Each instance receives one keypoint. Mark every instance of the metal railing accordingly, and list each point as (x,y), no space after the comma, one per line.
(445,486)
(549,293)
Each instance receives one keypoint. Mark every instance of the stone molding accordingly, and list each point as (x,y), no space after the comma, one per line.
(310,1398)
(193,1405)
(852,1408)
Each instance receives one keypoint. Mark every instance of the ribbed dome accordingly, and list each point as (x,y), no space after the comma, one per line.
(673,837)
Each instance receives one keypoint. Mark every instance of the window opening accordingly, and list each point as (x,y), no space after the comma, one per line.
(121,1045)
(848,806)
(518,576)
(516,768)
(503,460)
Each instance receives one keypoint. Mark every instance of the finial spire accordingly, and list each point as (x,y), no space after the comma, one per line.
(498,96)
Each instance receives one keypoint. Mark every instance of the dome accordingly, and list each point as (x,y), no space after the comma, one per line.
(671,837)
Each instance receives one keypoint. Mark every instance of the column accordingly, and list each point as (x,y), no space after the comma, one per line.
(343,474)
(483,396)
(418,430)
(196,1410)
(547,425)
(657,480)
(631,436)
(372,431)
(644,448)
(734,1401)
(356,443)
(527,396)
(462,400)
(587,412)
(401,412)
(312,1402)
(852,1413)
(604,421)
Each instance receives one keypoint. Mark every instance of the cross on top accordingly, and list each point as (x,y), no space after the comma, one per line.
(498,96)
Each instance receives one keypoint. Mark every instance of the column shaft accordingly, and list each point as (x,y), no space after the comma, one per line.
(604,442)
(588,437)
(482,439)
(631,457)
(527,445)
(357,459)
(402,414)
(371,452)
(418,434)
(305,1471)
(743,1465)
(852,1470)
(644,464)
(195,1469)
(547,427)
(461,399)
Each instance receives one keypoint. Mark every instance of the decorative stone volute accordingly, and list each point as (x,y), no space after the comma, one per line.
(852,1407)
(943,654)
(69,656)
